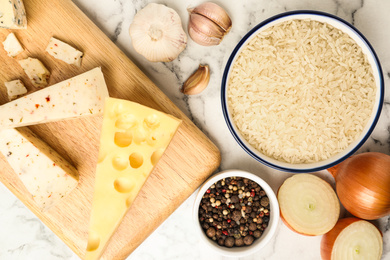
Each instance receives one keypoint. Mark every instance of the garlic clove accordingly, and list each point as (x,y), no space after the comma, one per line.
(203,31)
(208,24)
(203,39)
(157,34)
(197,82)
(215,13)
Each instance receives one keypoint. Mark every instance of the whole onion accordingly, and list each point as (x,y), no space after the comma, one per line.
(363,184)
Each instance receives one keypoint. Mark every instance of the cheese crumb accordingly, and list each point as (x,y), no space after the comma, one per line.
(15,88)
(36,71)
(12,45)
(63,51)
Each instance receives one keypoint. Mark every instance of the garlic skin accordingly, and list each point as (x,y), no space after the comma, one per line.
(157,33)
(208,24)
(197,82)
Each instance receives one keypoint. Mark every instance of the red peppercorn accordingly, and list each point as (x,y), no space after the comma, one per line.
(229,220)
(250,233)
(208,191)
(252,193)
(261,214)
(225,233)
(224,191)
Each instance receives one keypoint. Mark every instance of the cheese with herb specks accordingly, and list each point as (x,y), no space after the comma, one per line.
(45,174)
(63,51)
(36,72)
(80,96)
(12,45)
(12,14)
(15,88)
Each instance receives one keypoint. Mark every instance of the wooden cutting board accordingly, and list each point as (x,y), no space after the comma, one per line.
(188,161)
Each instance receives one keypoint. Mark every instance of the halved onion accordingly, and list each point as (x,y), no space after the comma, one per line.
(352,238)
(308,204)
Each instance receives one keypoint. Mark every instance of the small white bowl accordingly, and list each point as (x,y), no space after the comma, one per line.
(259,242)
(368,128)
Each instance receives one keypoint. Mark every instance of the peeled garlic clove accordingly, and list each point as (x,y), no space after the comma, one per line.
(157,33)
(208,24)
(197,82)
(215,13)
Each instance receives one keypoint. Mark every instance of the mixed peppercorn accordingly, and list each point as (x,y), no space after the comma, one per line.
(234,212)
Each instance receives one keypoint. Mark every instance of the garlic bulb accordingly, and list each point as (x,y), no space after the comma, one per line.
(157,34)
(208,24)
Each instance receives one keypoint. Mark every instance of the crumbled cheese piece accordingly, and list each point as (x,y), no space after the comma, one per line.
(12,46)
(63,51)
(12,14)
(36,71)
(15,88)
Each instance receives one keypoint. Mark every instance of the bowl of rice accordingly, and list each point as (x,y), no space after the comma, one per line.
(302,91)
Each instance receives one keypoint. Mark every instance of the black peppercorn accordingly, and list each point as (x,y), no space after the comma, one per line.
(252,226)
(210,232)
(257,233)
(248,240)
(229,242)
(264,201)
(236,215)
(234,199)
(239,242)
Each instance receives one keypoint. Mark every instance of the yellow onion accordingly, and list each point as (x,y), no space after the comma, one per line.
(363,184)
(352,238)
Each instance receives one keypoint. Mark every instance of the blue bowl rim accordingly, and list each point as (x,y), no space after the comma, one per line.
(224,87)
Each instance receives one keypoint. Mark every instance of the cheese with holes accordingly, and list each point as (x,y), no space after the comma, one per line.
(80,96)
(63,51)
(12,14)
(15,88)
(45,174)
(12,45)
(36,72)
(133,138)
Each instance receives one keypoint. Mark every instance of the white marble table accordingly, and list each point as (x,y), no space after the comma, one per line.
(23,236)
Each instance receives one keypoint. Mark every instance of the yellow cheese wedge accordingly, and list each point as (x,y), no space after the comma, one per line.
(133,139)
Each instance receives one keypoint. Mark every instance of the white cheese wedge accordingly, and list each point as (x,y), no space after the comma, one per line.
(36,72)
(15,88)
(80,96)
(12,14)
(45,174)
(63,51)
(12,45)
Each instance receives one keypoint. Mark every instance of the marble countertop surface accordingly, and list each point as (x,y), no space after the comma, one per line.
(23,236)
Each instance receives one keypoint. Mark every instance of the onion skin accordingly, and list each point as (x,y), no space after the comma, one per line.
(363,184)
(329,238)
